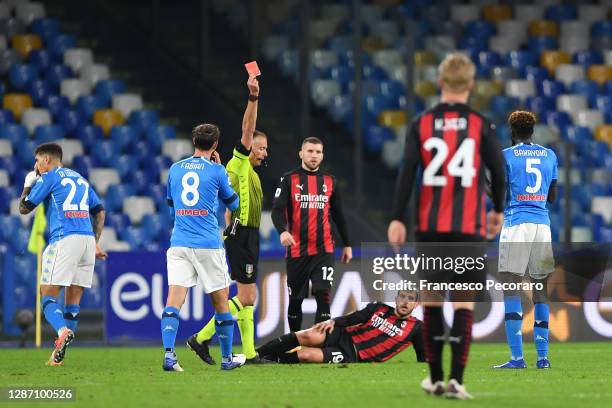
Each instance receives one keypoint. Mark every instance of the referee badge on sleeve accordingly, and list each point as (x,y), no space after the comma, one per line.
(249,270)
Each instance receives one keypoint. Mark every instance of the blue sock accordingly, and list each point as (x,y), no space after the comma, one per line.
(540,329)
(53,313)
(224,327)
(514,323)
(71,316)
(169,327)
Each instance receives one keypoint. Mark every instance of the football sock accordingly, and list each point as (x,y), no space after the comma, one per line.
(294,314)
(209,330)
(514,323)
(279,345)
(224,326)
(540,329)
(169,327)
(71,316)
(323,300)
(53,313)
(289,358)
(433,337)
(460,339)
(247,331)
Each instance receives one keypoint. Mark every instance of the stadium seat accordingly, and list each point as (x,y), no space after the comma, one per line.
(591,118)
(589,89)
(102,178)
(603,207)
(134,236)
(21,75)
(587,58)
(138,206)
(33,117)
(104,152)
(126,103)
(600,73)
(571,103)
(550,88)
(118,221)
(139,179)
(576,134)
(77,58)
(8,226)
(107,88)
(543,28)
(56,73)
(40,58)
(607,59)
(74,88)
(392,118)
(124,136)
(551,59)
(87,105)
(39,90)
(535,74)
(177,149)
(71,149)
(528,12)
(157,192)
(568,73)
(71,120)
(603,133)
(602,28)
(156,135)
(571,45)
(46,28)
(92,73)
(157,166)
(423,89)
(323,91)
(13,132)
(464,13)
(495,13)
(557,119)
(82,165)
(590,13)
(520,88)
(143,119)
(339,107)
(16,103)
(48,133)
(56,104)
(9,27)
(107,118)
(60,43)
(29,11)
(6,117)
(124,164)
(545,135)
(574,28)
(88,135)
(385,30)
(602,102)
(6,149)
(25,43)
(273,45)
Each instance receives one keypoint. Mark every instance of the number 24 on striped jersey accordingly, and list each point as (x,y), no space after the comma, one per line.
(460,165)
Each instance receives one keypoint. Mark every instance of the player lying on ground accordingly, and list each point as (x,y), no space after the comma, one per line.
(373,334)
(525,241)
(70,257)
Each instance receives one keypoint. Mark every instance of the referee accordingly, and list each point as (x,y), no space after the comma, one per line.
(242,233)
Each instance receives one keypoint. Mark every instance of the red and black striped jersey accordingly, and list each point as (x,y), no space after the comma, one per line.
(304,204)
(379,334)
(452,144)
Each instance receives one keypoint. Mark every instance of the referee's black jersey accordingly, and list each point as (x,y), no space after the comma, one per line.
(451,144)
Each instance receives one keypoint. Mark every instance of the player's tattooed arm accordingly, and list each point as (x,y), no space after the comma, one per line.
(24,208)
(98,224)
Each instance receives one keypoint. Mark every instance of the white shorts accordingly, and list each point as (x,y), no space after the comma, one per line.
(69,261)
(526,247)
(186,265)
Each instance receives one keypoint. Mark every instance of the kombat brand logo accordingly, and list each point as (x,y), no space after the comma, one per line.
(531,197)
(191,213)
(316,201)
(384,326)
(76,214)
(249,270)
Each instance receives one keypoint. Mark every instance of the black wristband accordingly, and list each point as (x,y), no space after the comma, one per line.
(253,98)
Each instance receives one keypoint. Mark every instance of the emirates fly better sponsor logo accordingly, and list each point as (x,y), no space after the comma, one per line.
(384,326)
(311,200)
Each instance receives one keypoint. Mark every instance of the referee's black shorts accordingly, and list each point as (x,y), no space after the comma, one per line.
(460,248)
(243,254)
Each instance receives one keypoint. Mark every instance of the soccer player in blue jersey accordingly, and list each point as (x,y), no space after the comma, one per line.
(196,250)
(69,259)
(525,241)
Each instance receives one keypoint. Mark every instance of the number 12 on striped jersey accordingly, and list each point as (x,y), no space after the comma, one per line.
(460,165)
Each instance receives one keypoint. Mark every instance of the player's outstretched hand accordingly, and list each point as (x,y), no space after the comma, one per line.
(396,234)
(495,221)
(253,85)
(325,327)
(286,239)
(100,254)
(347,255)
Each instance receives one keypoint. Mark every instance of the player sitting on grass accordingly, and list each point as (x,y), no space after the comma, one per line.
(373,334)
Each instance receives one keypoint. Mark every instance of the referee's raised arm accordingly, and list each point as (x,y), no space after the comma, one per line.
(250,114)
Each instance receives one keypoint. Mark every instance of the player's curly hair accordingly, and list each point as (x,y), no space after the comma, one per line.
(522,123)
(205,136)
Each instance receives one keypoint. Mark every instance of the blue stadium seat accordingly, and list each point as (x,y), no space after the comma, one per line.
(56,104)
(392,89)
(594,152)
(340,43)
(346,28)
(25,298)
(25,268)
(163,238)
(367,119)
(587,58)
(19,240)
(540,104)
(155,136)
(6,117)
(71,120)
(92,298)
(124,164)
(82,165)
(347,59)
(8,223)
(143,151)
(106,88)
(604,235)
(20,75)
(48,133)
(541,43)
(87,105)
(558,119)
(504,104)
(474,45)
(60,43)
(549,87)
(116,194)
(606,88)
(104,151)
(585,87)
(561,12)
(89,135)
(534,73)
(144,119)
(373,72)
(576,134)
(42,59)
(339,107)
(608,117)
(377,104)
(156,164)
(343,74)
(603,103)
(140,180)
(520,59)
(7,193)
(583,197)
(56,73)
(601,28)
(119,221)
(135,236)
(152,225)
(375,137)
(487,60)
(158,193)
(480,28)
(46,28)
(39,90)
(25,152)
(13,132)
(124,136)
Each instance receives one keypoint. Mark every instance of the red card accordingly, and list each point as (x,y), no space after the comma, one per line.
(252,69)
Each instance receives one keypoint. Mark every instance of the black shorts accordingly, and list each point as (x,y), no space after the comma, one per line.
(339,347)
(243,254)
(319,269)
(460,248)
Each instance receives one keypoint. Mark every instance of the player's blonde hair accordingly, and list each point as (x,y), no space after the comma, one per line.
(456,72)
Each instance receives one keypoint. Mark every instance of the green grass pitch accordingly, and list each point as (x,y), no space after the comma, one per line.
(132,377)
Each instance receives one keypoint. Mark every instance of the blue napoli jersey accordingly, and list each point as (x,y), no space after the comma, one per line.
(69,201)
(530,168)
(195,186)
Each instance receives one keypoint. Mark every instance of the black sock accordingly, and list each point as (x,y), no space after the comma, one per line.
(279,345)
(323,300)
(433,337)
(289,358)
(460,339)
(294,314)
